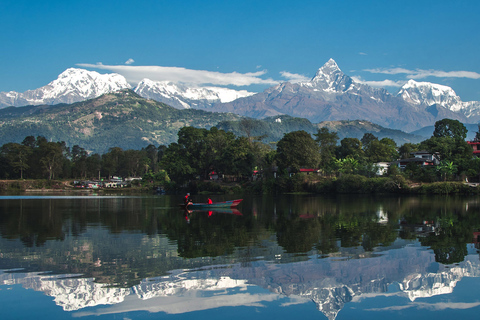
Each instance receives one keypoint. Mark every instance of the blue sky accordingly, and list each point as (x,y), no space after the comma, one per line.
(243,44)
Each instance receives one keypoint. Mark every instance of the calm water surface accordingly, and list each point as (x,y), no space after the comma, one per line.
(141,257)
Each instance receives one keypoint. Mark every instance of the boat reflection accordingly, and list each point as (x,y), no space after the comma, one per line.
(188,213)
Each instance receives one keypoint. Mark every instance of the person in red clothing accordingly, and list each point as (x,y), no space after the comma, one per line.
(187,199)
(210,201)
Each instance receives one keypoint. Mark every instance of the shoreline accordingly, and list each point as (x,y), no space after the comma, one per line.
(348,185)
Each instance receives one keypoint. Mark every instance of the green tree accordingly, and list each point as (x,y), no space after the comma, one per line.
(79,161)
(152,154)
(383,150)
(17,156)
(446,168)
(456,150)
(176,164)
(112,161)
(93,165)
(297,149)
(238,158)
(51,158)
(347,165)
(328,142)
(30,141)
(405,151)
(350,147)
(133,164)
(450,128)
(367,139)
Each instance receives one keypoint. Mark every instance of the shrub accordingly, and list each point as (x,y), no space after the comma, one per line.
(446,188)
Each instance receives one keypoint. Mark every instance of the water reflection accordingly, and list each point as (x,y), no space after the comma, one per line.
(133,254)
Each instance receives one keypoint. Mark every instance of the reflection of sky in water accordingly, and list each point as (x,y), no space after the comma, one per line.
(264,291)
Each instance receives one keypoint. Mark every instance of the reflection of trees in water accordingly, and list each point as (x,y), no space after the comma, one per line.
(450,238)
(444,224)
(33,224)
(290,228)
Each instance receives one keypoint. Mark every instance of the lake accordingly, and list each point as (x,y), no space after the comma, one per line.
(100,257)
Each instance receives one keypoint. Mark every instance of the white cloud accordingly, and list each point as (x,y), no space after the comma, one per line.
(431,306)
(134,74)
(362,53)
(380,84)
(420,73)
(129,61)
(190,302)
(294,77)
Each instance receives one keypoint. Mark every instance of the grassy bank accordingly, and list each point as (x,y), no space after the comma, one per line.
(345,184)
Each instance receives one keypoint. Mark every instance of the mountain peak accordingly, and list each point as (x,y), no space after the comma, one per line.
(72,85)
(182,97)
(330,78)
(331,64)
(329,67)
(427,85)
(425,94)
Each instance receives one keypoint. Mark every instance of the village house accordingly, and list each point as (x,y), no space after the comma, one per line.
(421,158)
(306,171)
(476,147)
(382,168)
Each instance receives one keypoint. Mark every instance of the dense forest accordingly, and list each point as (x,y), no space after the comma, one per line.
(199,152)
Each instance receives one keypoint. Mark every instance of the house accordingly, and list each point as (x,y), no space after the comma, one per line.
(421,158)
(476,147)
(382,168)
(306,171)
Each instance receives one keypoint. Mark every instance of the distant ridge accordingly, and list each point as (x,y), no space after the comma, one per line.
(120,119)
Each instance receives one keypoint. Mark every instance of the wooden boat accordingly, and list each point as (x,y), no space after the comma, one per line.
(206,206)
(213,211)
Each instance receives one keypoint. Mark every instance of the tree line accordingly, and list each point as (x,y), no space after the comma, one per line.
(199,152)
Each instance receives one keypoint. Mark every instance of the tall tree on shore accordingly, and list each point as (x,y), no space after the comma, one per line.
(17,156)
(450,128)
(297,149)
(328,142)
(51,158)
(350,147)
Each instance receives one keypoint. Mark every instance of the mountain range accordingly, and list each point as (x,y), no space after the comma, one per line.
(126,120)
(330,95)
(75,85)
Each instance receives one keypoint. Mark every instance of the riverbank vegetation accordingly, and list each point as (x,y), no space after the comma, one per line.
(219,162)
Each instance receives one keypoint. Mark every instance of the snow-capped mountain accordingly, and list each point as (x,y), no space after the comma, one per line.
(329,96)
(72,85)
(426,94)
(330,78)
(184,97)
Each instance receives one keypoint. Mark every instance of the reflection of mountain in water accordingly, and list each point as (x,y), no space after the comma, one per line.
(69,293)
(330,283)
